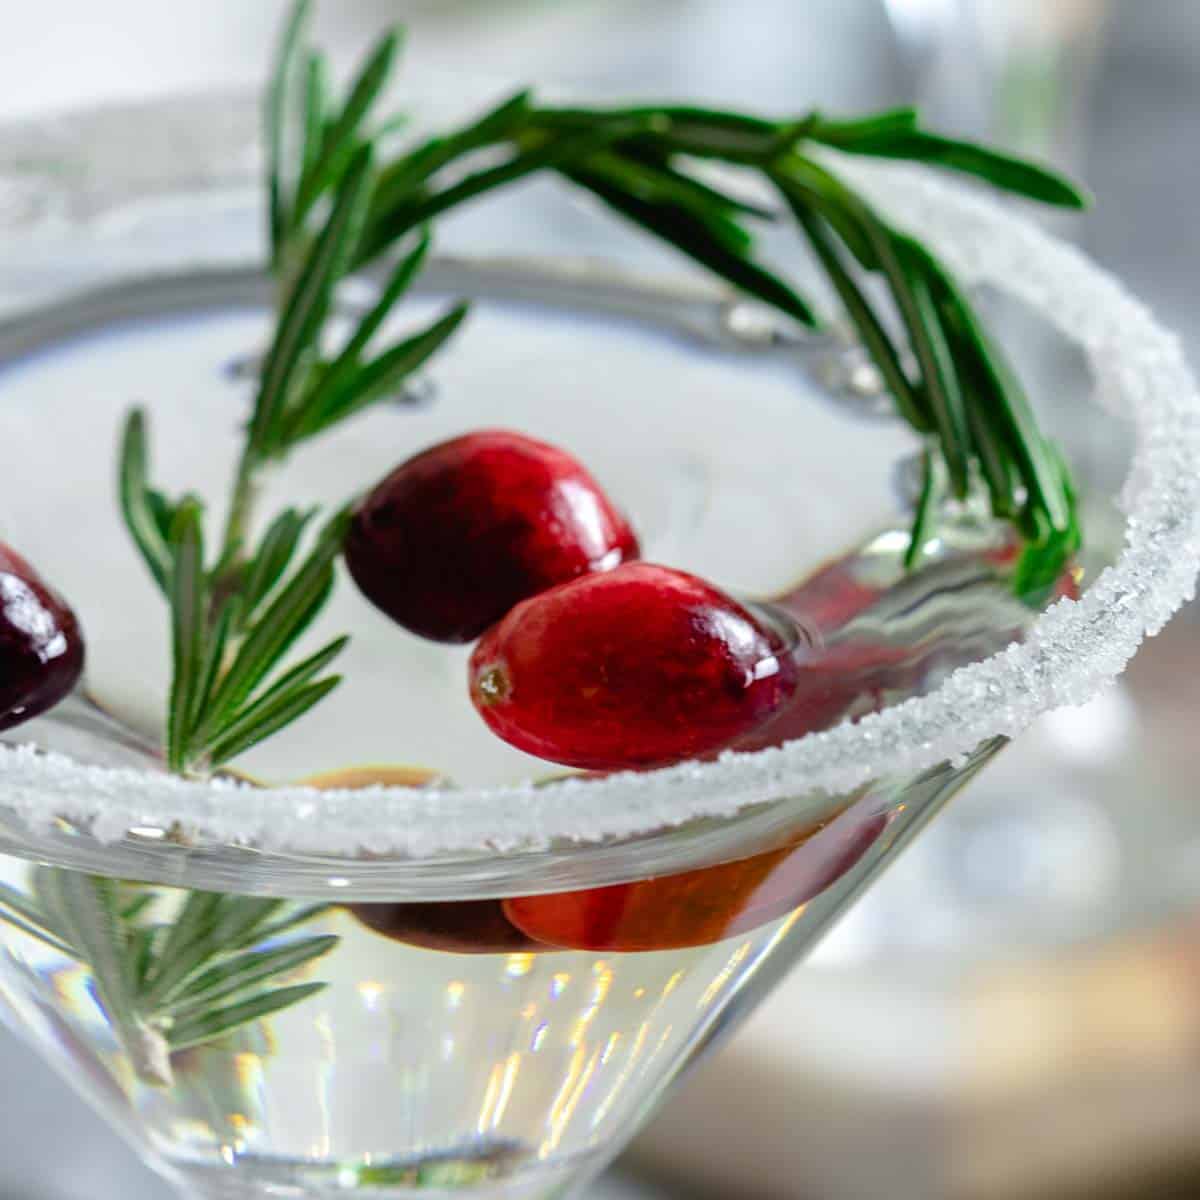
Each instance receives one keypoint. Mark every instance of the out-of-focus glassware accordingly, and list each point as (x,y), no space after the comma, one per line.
(1014,71)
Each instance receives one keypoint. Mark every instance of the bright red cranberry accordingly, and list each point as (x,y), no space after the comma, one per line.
(638,667)
(452,539)
(41,645)
(697,908)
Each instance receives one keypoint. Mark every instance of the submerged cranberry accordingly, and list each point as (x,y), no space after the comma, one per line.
(456,536)
(637,667)
(455,926)
(41,645)
(697,908)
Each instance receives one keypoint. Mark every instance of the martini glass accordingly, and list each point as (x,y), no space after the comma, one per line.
(471,974)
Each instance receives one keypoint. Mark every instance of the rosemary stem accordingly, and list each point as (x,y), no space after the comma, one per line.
(246,490)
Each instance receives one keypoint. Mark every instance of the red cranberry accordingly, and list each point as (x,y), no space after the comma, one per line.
(41,645)
(640,666)
(452,539)
(697,908)
(455,926)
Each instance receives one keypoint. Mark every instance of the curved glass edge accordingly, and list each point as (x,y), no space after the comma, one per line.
(177,859)
(1074,649)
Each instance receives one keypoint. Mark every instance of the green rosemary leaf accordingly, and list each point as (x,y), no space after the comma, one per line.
(288,922)
(132,909)
(678,228)
(192,928)
(261,707)
(703,132)
(316,107)
(142,943)
(999,472)
(85,906)
(1003,398)
(802,178)
(143,514)
(283,80)
(287,616)
(218,640)
(309,303)
(342,139)
(651,186)
(1041,566)
(239,974)
(330,382)
(940,387)
(207,1026)
(209,926)
(942,383)
(402,175)
(284,711)
(1003,171)
(189,613)
(239,923)
(398,283)
(875,338)
(870,129)
(926,509)
(162,511)
(244,919)
(417,209)
(274,555)
(662,178)
(377,380)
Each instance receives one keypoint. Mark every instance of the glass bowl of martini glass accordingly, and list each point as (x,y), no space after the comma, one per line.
(300,934)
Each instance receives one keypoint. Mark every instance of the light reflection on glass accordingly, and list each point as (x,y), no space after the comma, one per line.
(723,976)
(370,991)
(518,965)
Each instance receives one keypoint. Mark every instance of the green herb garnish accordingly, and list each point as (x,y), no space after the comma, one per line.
(168,987)
(701,180)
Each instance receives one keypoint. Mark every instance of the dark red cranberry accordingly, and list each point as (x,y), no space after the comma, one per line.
(452,539)
(697,908)
(455,926)
(41,645)
(640,666)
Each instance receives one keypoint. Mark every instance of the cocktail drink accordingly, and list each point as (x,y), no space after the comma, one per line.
(661,643)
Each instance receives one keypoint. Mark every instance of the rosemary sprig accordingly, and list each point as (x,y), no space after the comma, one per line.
(332,211)
(170,986)
(945,373)
(235,619)
(229,690)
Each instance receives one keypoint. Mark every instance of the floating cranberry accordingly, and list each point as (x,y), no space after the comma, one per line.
(452,539)
(697,908)
(638,667)
(41,645)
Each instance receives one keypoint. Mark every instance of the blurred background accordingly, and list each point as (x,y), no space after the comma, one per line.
(1015,1012)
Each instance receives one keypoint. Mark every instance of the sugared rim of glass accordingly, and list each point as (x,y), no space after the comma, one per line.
(1072,651)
